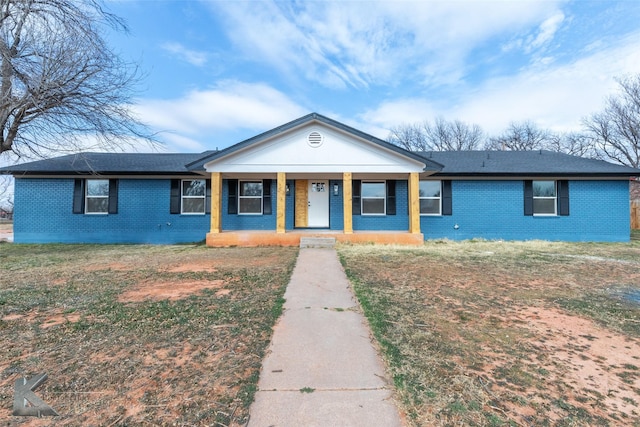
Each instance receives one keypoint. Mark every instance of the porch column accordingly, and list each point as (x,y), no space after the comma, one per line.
(347,203)
(414,203)
(216,202)
(281,203)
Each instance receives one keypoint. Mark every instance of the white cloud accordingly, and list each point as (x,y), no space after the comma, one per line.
(557,97)
(193,57)
(546,32)
(362,44)
(230,105)
(181,143)
(395,112)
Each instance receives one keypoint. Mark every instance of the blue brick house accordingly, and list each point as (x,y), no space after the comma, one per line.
(316,176)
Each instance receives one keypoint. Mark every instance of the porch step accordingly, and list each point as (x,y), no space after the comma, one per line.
(317,242)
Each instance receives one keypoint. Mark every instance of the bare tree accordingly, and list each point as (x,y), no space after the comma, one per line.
(574,143)
(61,85)
(409,136)
(6,194)
(441,135)
(616,130)
(521,136)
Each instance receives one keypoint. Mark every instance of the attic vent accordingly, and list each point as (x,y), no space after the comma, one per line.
(315,139)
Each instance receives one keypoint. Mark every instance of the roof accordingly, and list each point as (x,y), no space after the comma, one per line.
(430,165)
(109,164)
(519,163)
(443,163)
(454,163)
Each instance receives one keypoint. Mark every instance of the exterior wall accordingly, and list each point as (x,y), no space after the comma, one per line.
(599,211)
(251,222)
(336,207)
(43,214)
(400,221)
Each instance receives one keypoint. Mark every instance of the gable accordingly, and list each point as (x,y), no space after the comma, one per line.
(315,147)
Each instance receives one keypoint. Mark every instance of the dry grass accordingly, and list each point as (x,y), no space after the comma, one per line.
(496,333)
(119,350)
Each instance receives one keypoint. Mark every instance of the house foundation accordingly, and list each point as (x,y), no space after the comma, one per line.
(292,238)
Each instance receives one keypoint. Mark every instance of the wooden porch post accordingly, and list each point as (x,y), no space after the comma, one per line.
(216,202)
(347,203)
(414,203)
(281,203)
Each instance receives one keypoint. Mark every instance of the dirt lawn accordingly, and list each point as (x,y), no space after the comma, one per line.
(495,333)
(138,335)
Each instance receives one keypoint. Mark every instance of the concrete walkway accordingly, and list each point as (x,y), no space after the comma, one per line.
(321,368)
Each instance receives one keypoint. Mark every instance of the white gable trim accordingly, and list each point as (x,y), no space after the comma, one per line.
(337,152)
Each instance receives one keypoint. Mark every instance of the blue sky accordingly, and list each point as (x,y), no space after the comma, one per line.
(217,72)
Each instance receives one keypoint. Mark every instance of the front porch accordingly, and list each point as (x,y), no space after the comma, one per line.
(292,238)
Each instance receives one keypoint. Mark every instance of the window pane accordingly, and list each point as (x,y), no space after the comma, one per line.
(192,205)
(193,188)
(373,189)
(97,187)
(429,188)
(544,206)
(373,206)
(430,206)
(97,205)
(251,188)
(251,205)
(544,189)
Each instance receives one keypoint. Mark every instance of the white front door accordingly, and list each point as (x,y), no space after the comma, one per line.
(318,196)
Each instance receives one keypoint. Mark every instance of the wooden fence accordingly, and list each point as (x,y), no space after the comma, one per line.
(635,214)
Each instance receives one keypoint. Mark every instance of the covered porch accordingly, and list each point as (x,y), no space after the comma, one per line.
(286,200)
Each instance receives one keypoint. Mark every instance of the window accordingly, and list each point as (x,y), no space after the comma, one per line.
(193,196)
(373,198)
(97,196)
(250,197)
(430,197)
(544,198)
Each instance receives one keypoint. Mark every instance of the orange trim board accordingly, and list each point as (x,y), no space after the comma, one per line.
(292,238)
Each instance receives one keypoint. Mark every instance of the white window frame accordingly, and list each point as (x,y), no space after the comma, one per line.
(554,198)
(184,196)
(87,197)
(384,198)
(439,198)
(241,197)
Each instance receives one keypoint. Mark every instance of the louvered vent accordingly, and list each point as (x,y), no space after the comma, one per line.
(315,139)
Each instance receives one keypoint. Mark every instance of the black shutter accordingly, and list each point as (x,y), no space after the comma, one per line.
(113,196)
(232,205)
(174,205)
(528,198)
(355,196)
(78,196)
(447,200)
(563,198)
(207,199)
(266,197)
(391,197)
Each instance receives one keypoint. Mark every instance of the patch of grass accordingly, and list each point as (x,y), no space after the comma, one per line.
(453,320)
(193,360)
(307,390)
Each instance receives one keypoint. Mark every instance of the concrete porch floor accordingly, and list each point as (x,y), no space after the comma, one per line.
(292,237)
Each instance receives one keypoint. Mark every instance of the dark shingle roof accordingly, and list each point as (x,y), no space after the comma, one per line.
(518,163)
(453,163)
(430,164)
(109,164)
